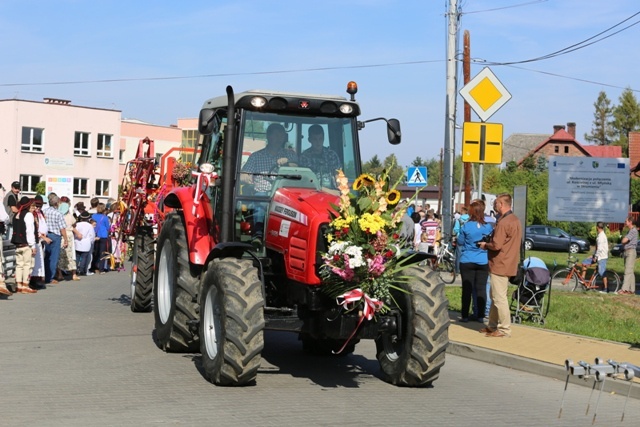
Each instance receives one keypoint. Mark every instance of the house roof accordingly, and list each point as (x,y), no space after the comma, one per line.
(604,150)
(518,145)
(562,136)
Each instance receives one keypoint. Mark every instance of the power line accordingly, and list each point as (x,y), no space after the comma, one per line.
(202,76)
(580,45)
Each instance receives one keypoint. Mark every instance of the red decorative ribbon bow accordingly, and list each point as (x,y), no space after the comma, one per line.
(350,300)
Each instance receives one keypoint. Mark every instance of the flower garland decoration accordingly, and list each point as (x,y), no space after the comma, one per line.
(362,261)
(181,173)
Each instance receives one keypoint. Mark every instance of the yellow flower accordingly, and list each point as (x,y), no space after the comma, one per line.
(358,183)
(367,179)
(329,237)
(393,197)
(371,223)
(341,223)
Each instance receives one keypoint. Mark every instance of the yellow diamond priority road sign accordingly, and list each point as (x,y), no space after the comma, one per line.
(485,94)
(482,142)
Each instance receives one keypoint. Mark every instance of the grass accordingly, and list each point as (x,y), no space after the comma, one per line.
(591,314)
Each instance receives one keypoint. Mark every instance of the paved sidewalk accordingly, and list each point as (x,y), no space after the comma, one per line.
(541,352)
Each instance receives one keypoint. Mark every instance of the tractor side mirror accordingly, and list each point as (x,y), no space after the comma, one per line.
(206,123)
(393,131)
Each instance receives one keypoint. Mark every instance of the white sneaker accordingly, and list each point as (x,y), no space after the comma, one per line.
(89,273)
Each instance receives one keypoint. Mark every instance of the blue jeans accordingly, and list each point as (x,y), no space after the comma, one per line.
(51,256)
(82,261)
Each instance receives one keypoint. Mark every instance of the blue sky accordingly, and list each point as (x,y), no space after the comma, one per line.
(394,50)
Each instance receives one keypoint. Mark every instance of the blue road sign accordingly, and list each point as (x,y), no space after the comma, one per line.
(417,176)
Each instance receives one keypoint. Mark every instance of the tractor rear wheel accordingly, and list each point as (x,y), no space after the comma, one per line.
(142,271)
(413,357)
(174,290)
(232,323)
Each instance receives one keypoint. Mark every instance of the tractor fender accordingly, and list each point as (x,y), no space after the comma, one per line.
(230,250)
(197,226)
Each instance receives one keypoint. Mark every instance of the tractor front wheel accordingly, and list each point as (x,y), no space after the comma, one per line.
(232,323)
(175,290)
(413,356)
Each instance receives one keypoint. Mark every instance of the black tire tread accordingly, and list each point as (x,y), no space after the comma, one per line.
(144,258)
(243,322)
(428,333)
(180,339)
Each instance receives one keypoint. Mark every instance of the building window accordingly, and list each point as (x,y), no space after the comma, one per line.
(32,140)
(566,149)
(121,157)
(81,144)
(102,187)
(28,183)
(556,149)
(80,186)
(103,146)
(189,140)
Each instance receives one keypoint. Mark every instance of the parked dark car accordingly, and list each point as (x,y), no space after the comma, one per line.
(617,250)
(544,237)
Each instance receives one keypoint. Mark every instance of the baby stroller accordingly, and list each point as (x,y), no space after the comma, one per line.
(532,297)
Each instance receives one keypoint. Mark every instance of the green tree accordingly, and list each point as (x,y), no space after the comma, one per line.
(373,166)
(395,170)
(418,162)
(626,118)
(602,131)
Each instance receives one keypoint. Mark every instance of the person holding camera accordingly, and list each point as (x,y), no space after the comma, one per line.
(474,268)
(504,257)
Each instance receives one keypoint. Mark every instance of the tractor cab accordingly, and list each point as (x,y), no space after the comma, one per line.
(276,141)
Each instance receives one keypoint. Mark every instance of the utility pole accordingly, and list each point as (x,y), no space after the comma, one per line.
(450,118)
(466,74)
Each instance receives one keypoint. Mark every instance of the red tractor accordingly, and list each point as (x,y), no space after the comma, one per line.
(235,259)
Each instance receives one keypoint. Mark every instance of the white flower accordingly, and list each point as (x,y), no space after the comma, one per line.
(337,247)
(355,256)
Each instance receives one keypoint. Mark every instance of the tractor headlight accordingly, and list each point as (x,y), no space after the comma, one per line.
(206,168)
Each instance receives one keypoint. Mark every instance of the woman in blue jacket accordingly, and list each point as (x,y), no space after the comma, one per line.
(474,264)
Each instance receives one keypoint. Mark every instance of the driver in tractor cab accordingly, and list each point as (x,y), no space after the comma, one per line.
(265,161)
(323,161)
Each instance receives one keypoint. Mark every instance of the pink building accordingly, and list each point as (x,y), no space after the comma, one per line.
(56,139)
(85,148)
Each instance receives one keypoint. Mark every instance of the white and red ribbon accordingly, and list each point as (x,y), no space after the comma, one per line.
(349,300)
(203,180)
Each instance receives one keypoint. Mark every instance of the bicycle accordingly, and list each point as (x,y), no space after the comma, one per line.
(572,276)
(445,262)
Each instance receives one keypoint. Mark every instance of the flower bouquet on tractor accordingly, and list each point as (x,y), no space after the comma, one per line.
(367,272)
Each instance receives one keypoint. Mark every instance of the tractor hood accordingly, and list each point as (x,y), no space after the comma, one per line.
(295,229)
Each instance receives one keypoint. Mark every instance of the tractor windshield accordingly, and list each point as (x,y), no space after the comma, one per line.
(315,147)
(322,144)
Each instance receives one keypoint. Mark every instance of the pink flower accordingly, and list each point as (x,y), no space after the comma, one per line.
(376,266)
(346,274)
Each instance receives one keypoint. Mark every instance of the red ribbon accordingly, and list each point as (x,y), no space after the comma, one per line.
(350,300)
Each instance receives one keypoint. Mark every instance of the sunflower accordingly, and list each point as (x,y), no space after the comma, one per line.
(358,183)
(393,197)
(367,179)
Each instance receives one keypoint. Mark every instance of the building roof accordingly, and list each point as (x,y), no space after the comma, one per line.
(610,151)
(518,145)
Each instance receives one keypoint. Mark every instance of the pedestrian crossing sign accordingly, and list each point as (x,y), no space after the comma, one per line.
(417,176)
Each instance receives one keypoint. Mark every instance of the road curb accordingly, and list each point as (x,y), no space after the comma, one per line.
(537,367)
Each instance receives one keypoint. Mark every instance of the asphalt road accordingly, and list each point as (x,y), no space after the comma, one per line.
(74,355)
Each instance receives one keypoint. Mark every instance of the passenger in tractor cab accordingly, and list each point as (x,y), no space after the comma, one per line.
(265,161)
(323,161)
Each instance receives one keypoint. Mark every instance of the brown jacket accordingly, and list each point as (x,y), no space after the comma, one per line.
(504,247)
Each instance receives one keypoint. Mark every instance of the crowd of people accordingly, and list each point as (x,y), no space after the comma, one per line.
(57,241)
